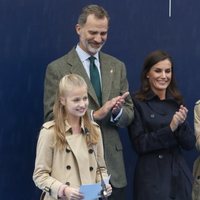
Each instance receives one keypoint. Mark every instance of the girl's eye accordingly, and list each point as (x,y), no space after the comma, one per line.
(85,98)
(76,100)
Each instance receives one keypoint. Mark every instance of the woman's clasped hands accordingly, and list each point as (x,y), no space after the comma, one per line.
(179,117)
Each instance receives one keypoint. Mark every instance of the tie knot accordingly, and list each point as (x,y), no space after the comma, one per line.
(92,58)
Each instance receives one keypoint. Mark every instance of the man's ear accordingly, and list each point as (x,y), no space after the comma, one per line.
(62,101)
(78,29)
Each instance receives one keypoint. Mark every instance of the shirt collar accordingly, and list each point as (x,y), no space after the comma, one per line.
(84,55)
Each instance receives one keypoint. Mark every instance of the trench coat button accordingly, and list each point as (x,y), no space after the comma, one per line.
(90,151)
(68,167)
(160,156)
(68,150)
(152,115)
(91,168)
(47,189)
(67,183)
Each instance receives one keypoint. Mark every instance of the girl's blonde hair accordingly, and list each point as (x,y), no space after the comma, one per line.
(68,83)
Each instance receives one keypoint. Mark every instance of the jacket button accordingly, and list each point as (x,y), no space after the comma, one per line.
(67,183)
(68,150)
(68,167)
(160,156)
(91,168)
(90,151)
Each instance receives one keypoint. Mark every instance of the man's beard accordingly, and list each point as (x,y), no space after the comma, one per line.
(92,49)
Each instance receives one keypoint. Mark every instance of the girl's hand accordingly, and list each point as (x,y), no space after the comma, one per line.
(73,193)
(108,190)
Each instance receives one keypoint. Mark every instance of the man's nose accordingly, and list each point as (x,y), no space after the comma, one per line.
(98,38)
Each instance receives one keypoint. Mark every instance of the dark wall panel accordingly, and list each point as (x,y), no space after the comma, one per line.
(33,33)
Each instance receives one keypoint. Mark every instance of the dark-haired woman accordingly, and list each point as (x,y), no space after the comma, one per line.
(159,132)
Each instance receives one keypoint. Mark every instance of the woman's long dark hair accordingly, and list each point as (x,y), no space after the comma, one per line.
(153,58)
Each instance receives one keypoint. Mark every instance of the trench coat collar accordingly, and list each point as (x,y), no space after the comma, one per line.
(68,127)
(151,95)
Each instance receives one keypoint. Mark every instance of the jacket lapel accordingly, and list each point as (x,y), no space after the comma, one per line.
(77,68)
(107,71)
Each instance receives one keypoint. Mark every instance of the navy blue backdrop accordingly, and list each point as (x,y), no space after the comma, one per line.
(33,33)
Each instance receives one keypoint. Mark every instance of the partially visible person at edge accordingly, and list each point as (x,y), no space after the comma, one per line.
(197,123)
(159,132)
(196,165)
(70,147)
(92,29)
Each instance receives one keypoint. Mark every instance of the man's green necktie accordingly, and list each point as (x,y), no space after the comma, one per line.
(95,78)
